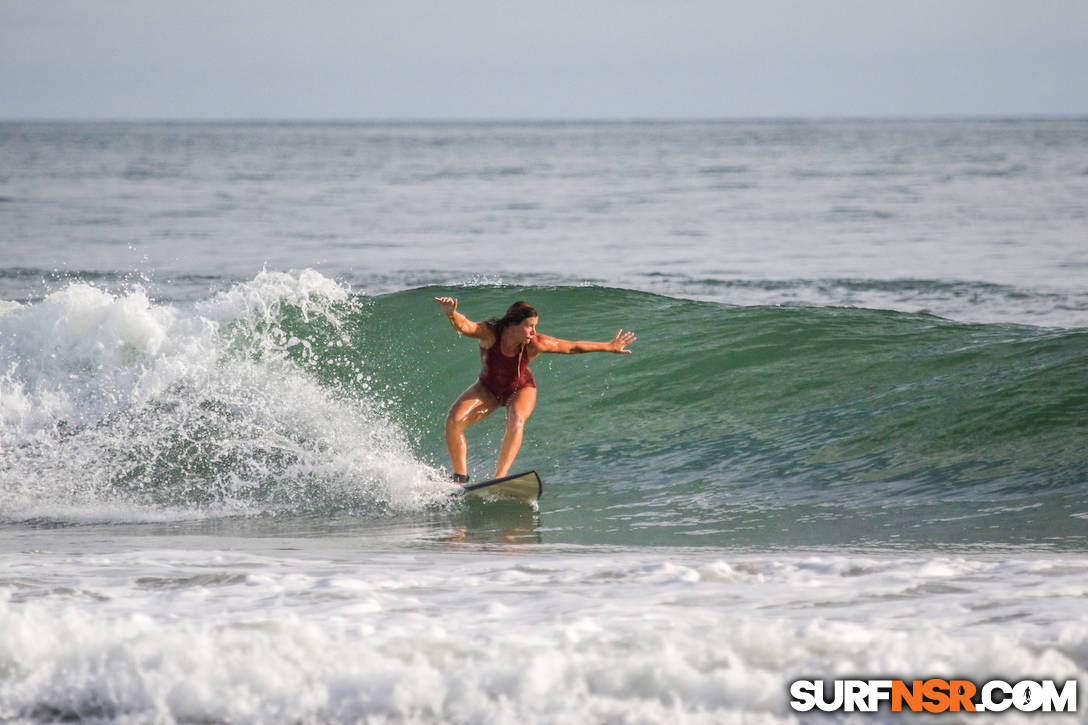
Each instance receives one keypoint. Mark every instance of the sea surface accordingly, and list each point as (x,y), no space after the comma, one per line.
(851,440)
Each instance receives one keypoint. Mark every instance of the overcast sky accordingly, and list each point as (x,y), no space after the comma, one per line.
(547,59)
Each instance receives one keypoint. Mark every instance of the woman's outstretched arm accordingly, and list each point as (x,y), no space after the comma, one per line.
(619,343)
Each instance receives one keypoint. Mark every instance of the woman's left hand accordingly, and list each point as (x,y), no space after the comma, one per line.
(621,341)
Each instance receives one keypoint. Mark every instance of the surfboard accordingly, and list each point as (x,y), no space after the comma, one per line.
(520,487)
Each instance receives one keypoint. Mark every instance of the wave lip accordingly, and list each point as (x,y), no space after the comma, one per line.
(961,300)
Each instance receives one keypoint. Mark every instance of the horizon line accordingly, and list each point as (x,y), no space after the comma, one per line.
(548,120)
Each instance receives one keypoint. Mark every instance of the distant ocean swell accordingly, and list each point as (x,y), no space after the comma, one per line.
(289,394)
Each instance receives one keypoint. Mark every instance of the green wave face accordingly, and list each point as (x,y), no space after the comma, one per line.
(772,424)
(738,426)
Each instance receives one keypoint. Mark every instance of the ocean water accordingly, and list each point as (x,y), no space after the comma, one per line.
(852,439)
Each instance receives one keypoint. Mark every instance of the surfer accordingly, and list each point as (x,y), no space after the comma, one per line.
(507,345)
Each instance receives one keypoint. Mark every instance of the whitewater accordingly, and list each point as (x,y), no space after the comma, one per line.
(850,441)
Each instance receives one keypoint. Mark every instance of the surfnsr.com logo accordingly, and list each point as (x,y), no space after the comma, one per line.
(933,695)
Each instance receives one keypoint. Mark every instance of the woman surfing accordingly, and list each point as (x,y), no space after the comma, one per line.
(507,345)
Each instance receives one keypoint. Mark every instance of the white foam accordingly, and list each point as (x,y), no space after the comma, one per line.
(110,401)
(177,635)
(260,299)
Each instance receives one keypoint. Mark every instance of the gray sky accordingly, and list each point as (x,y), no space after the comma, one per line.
(480,59)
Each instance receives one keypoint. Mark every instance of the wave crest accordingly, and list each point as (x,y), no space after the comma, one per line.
(110,399)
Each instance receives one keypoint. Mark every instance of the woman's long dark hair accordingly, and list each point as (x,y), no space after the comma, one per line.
(515,313)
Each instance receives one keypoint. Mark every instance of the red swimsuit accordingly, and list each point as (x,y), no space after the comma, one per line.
(503,376)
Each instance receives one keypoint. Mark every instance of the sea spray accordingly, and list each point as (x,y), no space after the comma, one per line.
(110,398)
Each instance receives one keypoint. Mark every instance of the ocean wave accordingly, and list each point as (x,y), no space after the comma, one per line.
(796,413)
(290,393)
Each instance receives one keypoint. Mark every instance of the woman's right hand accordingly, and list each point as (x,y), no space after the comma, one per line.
(448,305)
